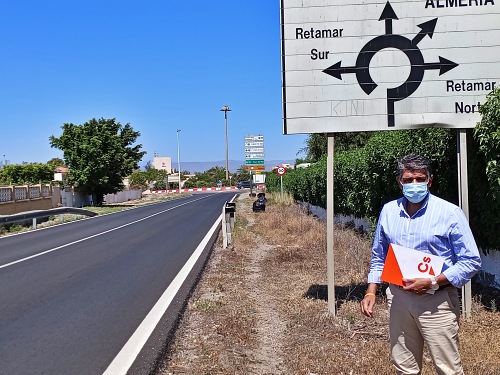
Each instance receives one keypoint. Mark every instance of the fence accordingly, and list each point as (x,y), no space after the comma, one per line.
(14,199)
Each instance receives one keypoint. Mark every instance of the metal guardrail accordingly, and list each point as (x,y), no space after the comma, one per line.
(33,215)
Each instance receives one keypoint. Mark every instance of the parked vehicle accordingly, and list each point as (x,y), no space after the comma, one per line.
(245,185)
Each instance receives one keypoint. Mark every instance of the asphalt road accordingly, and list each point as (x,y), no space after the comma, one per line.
(72,296)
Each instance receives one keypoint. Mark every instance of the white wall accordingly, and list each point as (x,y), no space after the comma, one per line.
(490,269)
(75,199)
(123,196)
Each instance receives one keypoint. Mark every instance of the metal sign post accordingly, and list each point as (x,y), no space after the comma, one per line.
(330,264)
(463,194)
(281,171)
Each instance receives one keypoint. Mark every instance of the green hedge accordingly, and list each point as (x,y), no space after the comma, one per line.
(365,178)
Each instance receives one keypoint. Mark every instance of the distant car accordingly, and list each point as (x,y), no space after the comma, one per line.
(245,185)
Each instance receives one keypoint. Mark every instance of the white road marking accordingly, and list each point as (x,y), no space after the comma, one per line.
(95,235)
(126,357)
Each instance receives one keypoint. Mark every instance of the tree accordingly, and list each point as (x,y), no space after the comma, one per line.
(242,174)
(138,180)
(484,174)
(316,144)
(26,174)
(487,134)
(56,162)
(316,147)
(208,178)
(99,154)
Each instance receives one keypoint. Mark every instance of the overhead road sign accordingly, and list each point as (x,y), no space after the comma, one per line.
(380,65)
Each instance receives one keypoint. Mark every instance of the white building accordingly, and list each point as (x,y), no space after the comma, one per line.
(163,162)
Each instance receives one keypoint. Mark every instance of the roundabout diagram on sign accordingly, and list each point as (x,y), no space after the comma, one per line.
(408,46)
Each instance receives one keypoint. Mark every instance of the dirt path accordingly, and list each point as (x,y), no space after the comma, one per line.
(269,325)
(261,352)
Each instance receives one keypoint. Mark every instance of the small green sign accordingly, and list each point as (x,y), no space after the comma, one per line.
(250,162)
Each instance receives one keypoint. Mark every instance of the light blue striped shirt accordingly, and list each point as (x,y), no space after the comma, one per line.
(438,228)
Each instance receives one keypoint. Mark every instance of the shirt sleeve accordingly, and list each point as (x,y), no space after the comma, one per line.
(468,260)
(379,250)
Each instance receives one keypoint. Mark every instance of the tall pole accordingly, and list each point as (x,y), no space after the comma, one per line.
(463,195)
(330,216)
(226,109)
(179,159)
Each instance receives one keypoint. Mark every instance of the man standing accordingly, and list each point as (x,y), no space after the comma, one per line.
(423,222)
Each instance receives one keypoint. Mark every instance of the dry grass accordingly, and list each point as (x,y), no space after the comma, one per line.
(261,308)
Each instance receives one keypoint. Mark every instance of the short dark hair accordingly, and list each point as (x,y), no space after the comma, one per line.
(414,162)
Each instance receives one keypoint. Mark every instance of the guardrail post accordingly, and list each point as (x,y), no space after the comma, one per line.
(224,227)
(34,223)
(231,212)
(228,219)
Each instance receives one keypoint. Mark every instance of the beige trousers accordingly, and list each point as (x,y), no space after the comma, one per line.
(430,318)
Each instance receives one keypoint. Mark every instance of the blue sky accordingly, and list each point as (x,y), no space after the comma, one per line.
(158,65)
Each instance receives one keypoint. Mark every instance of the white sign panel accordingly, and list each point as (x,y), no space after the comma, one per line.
(254,149)
(249,138)
(379,65)
(254,144)
(254,156)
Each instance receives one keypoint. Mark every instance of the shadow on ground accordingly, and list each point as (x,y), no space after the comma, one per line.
(489,297)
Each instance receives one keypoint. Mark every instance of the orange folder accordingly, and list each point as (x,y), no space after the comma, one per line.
(402,262)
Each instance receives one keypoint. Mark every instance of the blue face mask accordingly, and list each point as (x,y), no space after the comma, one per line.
(415,192)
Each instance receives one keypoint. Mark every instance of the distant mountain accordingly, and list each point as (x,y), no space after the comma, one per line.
(234,165)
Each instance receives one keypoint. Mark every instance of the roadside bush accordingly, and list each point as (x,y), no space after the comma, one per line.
(484,173)
(365,177)
(26,174)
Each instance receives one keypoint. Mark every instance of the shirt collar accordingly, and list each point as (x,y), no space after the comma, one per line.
(403,201)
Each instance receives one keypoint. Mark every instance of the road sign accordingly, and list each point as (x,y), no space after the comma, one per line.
(254,155)
(254,152)
(250,138)
(281,170)
(383,65)
(255,167)
(255,161)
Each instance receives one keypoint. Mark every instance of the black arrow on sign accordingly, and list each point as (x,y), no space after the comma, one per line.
(444,65)
(336,70)
(427,28)
(388,15)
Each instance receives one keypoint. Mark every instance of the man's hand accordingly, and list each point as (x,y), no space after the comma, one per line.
(367,305)
(368,302)
(417,286)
